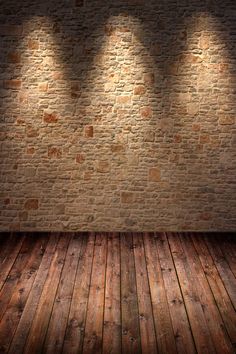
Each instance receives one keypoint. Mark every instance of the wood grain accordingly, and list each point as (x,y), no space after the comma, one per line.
(181,326)
(213,318)
(223,267)
(58,321)
(219,292)
(41,319)
(113,293)
(20,295)
(94,319)
(73,342)
(190,291)
(131,342)
(146,321)
(22,331)
(112,310)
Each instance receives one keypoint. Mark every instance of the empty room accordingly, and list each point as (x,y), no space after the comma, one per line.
(118,176)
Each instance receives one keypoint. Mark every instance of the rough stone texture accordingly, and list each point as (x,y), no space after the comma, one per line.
(31,204)
(117,115)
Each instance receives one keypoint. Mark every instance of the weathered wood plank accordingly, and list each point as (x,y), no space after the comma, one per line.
(15,273)
(129,303)
(73,341)
(6,239)
(136,293)
(163,324)
(214,321)
(223,268)
(39,326)
(21,292)
(58,321)
(218,290)
(94,319)
(112,310)
(9,252)
(189,287)
(182,331)
(227,245)
(21,334)
(146,322)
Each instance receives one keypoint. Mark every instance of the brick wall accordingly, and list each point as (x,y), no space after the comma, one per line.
(117,115)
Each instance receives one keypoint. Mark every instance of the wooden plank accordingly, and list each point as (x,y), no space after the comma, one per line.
(189,288)
(184,273)
(129,304)
(163,324)
(15,273)
(218,290)
(218,332)
(6,242)
(5,237)
(223,268)
(58,321)
(94,319)
(28,314)
(9,252)
(39,326)
(146,322)
(227,244)
(74,336)
(112,311)
(182,331)
(17,302)
(232,242)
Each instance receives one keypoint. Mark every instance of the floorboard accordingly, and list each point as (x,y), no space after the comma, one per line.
(113,293)
(28,313)
(94,318)
(191,294)
(161,311)
(8,254)
(131,341)
(59,316)
(73,342)
(20,295)
(223,267)
(41,319)
(179,317)
(212,315)
(146,320)
(112,313)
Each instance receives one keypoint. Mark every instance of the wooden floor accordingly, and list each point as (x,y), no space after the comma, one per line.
(117,293)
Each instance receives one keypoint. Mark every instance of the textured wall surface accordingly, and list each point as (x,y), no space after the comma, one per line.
(117,115)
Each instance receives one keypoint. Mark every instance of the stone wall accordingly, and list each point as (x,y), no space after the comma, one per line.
(117,115)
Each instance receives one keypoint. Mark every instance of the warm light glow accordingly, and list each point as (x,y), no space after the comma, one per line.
(128,81)
(122,119)
(202,68)
(44,82)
